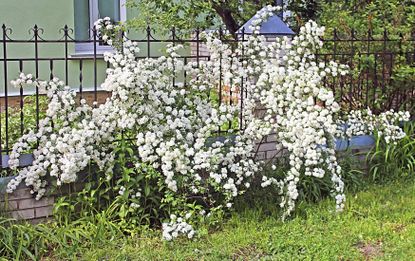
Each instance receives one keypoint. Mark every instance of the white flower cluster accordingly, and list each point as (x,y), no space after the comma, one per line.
(288,83)
(364,122)
(177,226)
(23,79)
(261,17)
(175,125)
(108,31)
(68,138)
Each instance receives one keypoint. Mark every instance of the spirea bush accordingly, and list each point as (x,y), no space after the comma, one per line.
(386,125)
(154,143)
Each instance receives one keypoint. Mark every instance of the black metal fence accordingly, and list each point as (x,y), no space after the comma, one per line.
(382,71)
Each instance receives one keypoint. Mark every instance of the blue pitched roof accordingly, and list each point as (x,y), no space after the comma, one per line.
(273,26)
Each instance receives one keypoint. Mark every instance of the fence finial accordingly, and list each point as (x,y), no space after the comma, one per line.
(220,33)
(173,33)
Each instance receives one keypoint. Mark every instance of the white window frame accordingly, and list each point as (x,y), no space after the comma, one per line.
(87,49)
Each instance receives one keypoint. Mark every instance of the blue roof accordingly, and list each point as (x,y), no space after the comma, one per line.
(273,26)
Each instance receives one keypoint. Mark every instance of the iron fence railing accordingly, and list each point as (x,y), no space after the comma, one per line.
(381,74)
(382,69)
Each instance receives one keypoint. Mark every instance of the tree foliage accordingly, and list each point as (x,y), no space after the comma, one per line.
(186,15)
(394,16)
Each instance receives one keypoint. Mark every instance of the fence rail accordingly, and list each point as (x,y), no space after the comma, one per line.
(382,71)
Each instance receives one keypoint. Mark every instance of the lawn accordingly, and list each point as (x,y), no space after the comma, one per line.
(378,224)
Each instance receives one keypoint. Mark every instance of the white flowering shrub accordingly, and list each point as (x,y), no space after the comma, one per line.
(177,226)
(109,33)
(364,122)
(68,137)
(154,143)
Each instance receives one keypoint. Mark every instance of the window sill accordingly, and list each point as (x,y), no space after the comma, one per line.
(86,51)
(87,55)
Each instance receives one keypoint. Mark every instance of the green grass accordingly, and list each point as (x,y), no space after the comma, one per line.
(378,224)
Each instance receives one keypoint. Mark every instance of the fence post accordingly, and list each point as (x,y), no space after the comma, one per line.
(36,35)
(4,30)
(385,37)
(148,40)
(21,102)
(94,34)
(368,40)
(220,72)
(242,79)
(375,73)
(334,58)
(197,46)
(403,92)
(173,37)
(351,66)
(65,31)
(80,79)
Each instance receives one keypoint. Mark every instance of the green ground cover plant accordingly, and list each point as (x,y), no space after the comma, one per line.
(389,161)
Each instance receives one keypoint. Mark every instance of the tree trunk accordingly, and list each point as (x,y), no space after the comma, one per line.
(227,18)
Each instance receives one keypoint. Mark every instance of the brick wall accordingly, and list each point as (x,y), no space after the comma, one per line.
(22,205)
(14,101)
(267,149)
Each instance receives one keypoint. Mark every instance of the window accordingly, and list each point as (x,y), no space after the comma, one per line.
(86,13)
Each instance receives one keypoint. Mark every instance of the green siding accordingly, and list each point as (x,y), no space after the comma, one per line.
(23,14)
(51,16)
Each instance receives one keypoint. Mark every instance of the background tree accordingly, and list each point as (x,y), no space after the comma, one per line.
(396,16)
(186,15)
(301,11)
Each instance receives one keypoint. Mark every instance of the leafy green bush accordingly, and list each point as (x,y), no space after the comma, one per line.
(20,121)
(390,161)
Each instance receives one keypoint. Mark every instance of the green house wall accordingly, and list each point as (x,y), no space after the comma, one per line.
(51,16)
